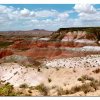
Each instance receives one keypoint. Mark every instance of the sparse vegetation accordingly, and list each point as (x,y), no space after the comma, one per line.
(57,69)
(49,80)
(86,87)
(29,91)
(36,63)
(96,71)
(61,91)
(63,76)
(43,89)
(74,70)
(8,90)
(27,65)
(85,77)
(31,87)
(74,89)
(53,87)
(5,44)
(46,67)
(23,85)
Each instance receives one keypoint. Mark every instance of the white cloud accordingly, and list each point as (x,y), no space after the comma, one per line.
(84,8)
(32,14)
(26,19)
(87,12)
(90,17)
(35,21)
(46,13)
(63,15)
(25,12)
(4,9)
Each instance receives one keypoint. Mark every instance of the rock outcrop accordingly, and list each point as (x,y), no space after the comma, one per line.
(5,52)
(54,45)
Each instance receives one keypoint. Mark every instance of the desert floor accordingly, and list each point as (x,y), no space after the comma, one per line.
(77,76)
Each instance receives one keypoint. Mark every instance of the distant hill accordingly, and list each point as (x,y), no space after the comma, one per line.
(35,32)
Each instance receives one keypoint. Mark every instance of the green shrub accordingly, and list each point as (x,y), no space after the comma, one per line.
(8,90)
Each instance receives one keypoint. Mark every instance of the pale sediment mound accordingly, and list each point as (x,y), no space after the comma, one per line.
(88,61)
(92,48)
(23,60)
(17,74)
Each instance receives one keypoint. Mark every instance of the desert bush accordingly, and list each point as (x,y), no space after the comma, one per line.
(8,90)
(31,87)
(74,89)
(53,87)
(86,87)
(95,84)
(74,70)
(43,89)
(49,80)
(27,95)
(29,91)
(57,69)
(23,85)
(85,77)
(46,67)
(36,63)
(61,92)
(96,70)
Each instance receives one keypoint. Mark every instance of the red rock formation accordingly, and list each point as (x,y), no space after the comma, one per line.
(20,45)
(41,53)
(5,52)
(42,44)
(51,49)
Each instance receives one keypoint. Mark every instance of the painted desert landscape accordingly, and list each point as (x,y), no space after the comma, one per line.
(40,62)
(61,63)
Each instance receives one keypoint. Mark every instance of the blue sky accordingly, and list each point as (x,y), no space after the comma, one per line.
(48,16)
(60,7)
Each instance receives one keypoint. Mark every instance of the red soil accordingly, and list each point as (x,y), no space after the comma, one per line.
(5,52)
